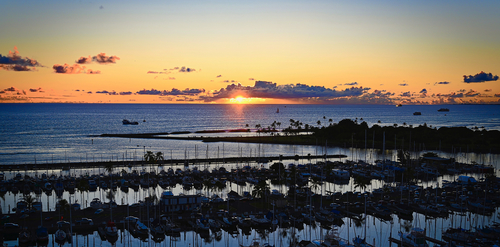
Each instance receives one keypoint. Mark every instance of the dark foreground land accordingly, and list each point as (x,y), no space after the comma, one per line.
(349,133)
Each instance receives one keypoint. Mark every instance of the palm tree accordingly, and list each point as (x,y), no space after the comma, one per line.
(63,206)
(29,200)
(361,182)
(261,189)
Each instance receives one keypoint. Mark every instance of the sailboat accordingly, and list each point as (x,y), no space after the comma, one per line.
(415,238)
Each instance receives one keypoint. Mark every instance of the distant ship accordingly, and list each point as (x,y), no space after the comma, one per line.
(399,105)
(444,109)
(125,121)
(278,110)
(417,113)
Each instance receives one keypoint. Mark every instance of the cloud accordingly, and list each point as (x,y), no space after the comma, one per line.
(182,69)
(488,90)
(264,89)
(423,91)
(171,78)
(34,90)
(186,69)
(351,84)
(152,72)
(14,62)
(101,58)
(101,7)
(480,77)
(126,93)
(497,95)
(472,93)
(403,84)
(73,69)
(442,83)
(173,92)
(405,94)
(84,60)
(10,89)
(229,81)
(218,76)
(103,92)
(251,79)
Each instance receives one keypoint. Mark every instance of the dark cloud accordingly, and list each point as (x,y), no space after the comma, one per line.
(497,95)
(488,90)
(10,89)
(101,58)
(405,94)
(103,92)
(186,69)
(101,7)
(34,90)
(182,69)
(264,89)
(480,77)
(218,76)
(351,84)
(403,84)
(89,92)
(149,92)
(442,83)
(84,60)
(73,69)
(472,93)
(229,81)
(126,93)
(173,92)
(251,79)
(152,72)
(14,62)
(423,91)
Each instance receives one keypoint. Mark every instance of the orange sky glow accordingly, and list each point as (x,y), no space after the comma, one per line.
(259,52)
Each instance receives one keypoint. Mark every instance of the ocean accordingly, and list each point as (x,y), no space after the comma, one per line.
(53,133)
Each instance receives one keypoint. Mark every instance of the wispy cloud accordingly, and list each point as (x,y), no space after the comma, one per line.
(442,83)
(173,92)
(480,77)
(403,84)
(351,84)
(14,62)
(73,69)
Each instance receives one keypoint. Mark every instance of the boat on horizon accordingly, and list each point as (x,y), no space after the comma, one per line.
(399,105)
(417,113)
(127,122)
(444,110)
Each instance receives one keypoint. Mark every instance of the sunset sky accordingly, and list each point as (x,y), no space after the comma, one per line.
(328,52)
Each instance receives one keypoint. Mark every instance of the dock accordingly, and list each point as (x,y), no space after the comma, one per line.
(433,240)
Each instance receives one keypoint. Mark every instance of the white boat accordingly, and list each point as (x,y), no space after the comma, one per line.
(341,174)
(96,203)
(416,238)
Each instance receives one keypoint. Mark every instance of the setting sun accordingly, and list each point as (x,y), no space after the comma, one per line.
(244,100)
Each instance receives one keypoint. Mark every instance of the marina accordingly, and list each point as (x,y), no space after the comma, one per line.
(317,196)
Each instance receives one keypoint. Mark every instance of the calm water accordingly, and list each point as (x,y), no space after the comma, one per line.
(43,133)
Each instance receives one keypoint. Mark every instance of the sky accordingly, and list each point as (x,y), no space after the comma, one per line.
(284,52)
